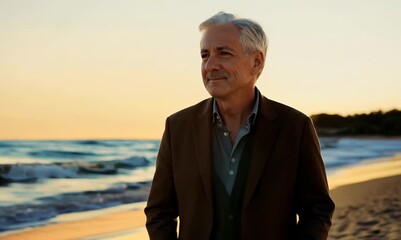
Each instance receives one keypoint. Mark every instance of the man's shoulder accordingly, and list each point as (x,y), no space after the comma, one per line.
(283,110)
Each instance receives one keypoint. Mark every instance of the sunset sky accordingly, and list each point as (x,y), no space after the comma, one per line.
(88,69)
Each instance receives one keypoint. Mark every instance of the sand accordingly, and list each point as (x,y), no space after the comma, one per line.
(111,226)
(368,210)
(368,201)
(367,197)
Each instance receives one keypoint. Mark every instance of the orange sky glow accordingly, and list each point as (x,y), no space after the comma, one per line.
(97,69)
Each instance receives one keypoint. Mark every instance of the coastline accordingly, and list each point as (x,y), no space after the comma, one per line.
(367,170)
(366,197)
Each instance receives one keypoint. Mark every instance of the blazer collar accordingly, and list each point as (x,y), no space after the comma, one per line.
(265,132)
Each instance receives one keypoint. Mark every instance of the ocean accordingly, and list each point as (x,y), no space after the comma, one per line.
(40,180)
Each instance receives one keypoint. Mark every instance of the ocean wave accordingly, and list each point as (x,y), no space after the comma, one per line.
(5,145)
(89,142)
(33,172)
(326,143)
(94,143)
(60,154)
(110,143)
(22,215)
(131,162)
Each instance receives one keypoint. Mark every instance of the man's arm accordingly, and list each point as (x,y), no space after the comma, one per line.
(161,210)
(314,205)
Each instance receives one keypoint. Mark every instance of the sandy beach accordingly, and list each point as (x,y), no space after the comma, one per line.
(367,197)
(368,210)
(116,225)
(368,201)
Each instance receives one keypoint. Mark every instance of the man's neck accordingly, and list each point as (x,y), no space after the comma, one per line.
(235,111)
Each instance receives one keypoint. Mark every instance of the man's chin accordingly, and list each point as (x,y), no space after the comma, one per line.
(217,93)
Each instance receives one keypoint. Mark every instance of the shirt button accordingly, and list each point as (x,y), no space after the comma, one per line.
(226,134)
(230,216)
(231,172)
(218,117)
(233,160)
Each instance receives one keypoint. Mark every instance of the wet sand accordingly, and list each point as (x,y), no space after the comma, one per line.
(118,225)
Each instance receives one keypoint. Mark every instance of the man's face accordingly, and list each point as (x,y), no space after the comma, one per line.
(227,71)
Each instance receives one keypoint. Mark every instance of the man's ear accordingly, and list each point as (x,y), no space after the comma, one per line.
(258,62)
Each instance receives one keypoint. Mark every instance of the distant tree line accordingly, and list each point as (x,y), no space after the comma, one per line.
(374,123)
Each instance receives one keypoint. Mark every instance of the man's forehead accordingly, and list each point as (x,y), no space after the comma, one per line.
(220,37)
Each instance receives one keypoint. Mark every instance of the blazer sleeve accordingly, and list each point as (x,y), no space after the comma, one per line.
(314,205)
(162,208)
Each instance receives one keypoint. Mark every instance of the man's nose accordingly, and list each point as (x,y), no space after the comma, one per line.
(212,64)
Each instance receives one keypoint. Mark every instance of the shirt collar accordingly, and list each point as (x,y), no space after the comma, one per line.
(252,116)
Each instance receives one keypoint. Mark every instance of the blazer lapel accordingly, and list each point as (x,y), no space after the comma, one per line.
(265,132)
(202,128)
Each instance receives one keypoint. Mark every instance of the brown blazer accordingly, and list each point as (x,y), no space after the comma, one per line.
(286,177)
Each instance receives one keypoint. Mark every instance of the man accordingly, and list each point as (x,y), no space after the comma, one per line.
(238,165)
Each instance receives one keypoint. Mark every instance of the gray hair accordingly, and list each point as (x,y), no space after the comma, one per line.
(252,36)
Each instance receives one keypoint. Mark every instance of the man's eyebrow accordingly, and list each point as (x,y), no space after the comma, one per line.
(220,48)
(224,48)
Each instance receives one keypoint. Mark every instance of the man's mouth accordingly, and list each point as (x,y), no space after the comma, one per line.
(217,76)
(216,79)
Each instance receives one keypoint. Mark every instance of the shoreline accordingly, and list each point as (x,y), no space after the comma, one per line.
(366,170)
(127,221)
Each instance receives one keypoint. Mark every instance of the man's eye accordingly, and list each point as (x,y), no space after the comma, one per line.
(204,56)
(225,54)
